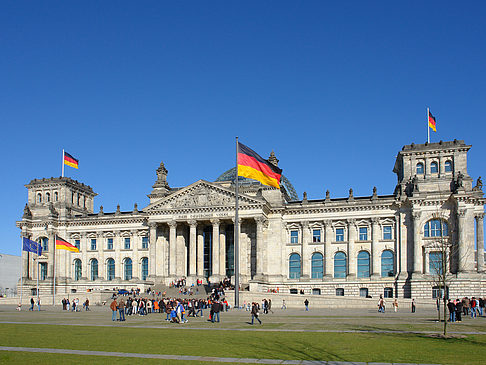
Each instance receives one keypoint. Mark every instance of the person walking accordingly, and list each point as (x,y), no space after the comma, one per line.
(32,302)
(38,304)
(255,313)
(113,307)
(284,306)
(413,305)
(306,303)
(395,305)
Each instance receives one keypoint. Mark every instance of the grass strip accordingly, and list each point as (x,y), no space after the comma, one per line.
(368,347)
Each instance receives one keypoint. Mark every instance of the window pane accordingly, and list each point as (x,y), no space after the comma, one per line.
(109,244)
(93,244)
(448,166)
(127,243)
(144,242)
(435,263)
(128,269)
(340,292)
(110,266)
(339,234)
(144,268)
(363,233)
(420,168)
(387,233)
(77,243)
(94,269)
(387,264)
(294,236)
(294,266)
(363,264)
(340,265)
(317,266)
(316,235)
(434,168)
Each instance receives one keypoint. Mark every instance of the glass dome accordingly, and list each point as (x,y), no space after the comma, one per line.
(231,174)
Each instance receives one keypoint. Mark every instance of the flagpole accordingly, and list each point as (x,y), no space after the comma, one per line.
(62,163)
(236,245)
(22,267)
(428,127)
(54,273)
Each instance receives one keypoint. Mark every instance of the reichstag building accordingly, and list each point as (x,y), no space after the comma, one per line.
(351,246)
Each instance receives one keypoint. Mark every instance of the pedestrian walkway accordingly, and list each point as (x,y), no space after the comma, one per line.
(191,358)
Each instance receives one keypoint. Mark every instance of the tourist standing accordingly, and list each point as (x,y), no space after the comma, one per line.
(306,303)
(31,304)
(113,307)
(121,309)
(395,305)
(413,305)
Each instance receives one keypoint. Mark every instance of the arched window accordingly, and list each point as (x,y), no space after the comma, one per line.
(434,168)
(294,266)
(56,196)
(436,263)
(110,269)
(420,168)
(436,228)
(340,265)
(48,197)
(317,266)
(77,270)
(144,268)
(448,166)
(387,267)
(363,264)
(94,269)
(127,269)
(39,198)
(44,241)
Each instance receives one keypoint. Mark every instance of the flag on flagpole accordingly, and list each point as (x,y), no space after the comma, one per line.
(31,246)
(432,122)
(253,166)
(62,244)
(70,160)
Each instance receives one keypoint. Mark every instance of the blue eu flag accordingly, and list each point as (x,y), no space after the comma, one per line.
(31,246)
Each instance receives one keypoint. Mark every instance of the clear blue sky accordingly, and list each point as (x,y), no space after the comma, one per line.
(335,89)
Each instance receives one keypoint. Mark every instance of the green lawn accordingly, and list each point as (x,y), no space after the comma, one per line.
(367,347)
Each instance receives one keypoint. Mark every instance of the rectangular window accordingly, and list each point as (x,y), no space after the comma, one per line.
(93,244)
(316,235)
(109,244)
(127,243)
(144,242)
(77,243)
(363,233)
(294,236)
(339,234)
(387,233)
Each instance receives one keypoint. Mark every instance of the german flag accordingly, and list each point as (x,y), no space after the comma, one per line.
(253,166)
(70,160)
(62,244)
(432,122)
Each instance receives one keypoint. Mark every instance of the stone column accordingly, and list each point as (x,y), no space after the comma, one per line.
(418,258)
(327,248)
(51,252)
(480,240)
(84,255)
(215,249)
(152,249)
(222,250)
(305,274)
(375,255)
(259,248)
(465,253)
(192,247)
(136,265)
(200,253)
(172,248)
(351,247)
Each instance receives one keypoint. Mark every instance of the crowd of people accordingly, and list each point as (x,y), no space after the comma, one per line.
(73,305)
(465,306)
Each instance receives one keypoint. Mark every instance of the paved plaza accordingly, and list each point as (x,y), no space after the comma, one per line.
(424,321)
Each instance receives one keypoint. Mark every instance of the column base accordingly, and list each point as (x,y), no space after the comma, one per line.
(260,278)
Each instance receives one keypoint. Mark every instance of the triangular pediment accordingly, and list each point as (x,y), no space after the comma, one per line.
(202,194)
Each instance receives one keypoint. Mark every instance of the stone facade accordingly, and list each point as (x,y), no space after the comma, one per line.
(372,245)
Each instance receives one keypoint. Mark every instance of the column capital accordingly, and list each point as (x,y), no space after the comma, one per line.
(375,220)
(416,215)
(351,221)
(192,223)
(327,223)
(259,220)
(215,221)
(172,224)
(480,216)
(461,213)
(152,225)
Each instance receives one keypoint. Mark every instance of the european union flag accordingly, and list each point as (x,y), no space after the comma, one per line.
(31,246)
